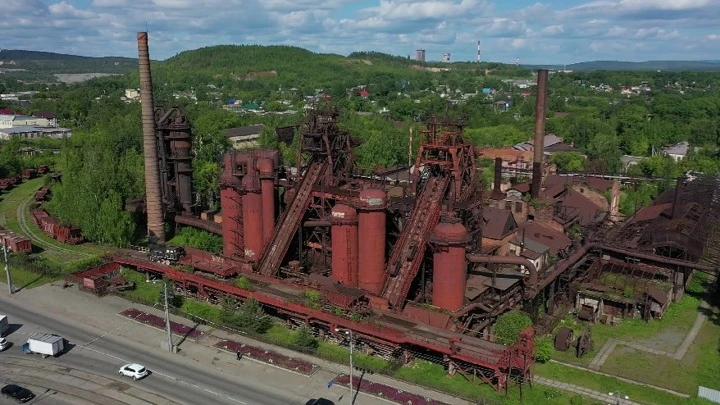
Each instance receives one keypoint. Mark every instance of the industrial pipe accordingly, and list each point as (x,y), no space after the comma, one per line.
(539,141)
(659,259)
(316,224)
(156,223)
(530,287)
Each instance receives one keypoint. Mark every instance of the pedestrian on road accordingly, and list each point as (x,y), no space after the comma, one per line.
(239,356)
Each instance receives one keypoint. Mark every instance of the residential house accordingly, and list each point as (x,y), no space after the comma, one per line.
(678,151)
(11,121)
(512,159)
(49,116)
(498,228)
(548,140)
(244,137)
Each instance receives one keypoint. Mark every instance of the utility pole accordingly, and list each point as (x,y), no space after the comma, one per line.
(349,333)
(167,319)
(7,270)
(351,367)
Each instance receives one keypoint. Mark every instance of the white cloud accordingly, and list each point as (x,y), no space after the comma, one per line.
(539,33)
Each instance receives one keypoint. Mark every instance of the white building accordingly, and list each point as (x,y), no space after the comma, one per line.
(12,121)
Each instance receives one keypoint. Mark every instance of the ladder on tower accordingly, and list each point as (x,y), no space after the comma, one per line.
(408,253)
(278,246)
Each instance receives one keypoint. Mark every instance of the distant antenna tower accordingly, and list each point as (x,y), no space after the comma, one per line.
(517,61)
(478,51)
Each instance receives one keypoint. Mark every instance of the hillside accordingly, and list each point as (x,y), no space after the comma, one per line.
(42,66)
(667,66)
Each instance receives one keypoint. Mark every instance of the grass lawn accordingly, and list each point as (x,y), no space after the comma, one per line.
(50,249)
(700,366)
(637,393)
(23,278)
(666,334)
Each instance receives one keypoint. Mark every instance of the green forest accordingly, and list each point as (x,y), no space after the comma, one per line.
(102,162)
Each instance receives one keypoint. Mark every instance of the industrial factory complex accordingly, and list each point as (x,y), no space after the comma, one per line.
(419,268)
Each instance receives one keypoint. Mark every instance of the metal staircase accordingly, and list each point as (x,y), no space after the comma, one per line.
(278,246)
(408,253)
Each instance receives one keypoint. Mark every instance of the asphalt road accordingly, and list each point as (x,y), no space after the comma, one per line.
(173,377)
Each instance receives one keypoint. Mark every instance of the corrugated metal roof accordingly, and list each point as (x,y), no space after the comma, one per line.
(709,394)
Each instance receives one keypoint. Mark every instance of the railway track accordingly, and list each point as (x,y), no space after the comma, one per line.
(64,254)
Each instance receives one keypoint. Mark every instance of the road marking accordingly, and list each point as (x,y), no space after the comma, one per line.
(165,375)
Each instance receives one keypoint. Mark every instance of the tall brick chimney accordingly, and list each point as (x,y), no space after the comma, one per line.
(156,223)
(615,199)
(497,182)
(539,141)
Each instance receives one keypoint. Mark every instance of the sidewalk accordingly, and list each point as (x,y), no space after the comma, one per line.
(102,313)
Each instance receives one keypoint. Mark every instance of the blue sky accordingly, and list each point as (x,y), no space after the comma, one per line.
(548,32)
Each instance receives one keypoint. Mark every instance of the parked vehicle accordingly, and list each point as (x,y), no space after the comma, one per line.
(17,393)
(166,255)
(44,344)
(4,325)
(3,344)
(136,371)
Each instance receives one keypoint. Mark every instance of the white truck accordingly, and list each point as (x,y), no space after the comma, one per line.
(4,325)
(44,344)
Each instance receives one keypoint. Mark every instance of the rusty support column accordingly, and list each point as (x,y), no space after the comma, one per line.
(156,223)
(539,141)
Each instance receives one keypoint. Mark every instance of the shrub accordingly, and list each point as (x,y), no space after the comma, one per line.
(304,340)
(244,283)
(543,349)
(509,325)
(250,316)
(313,299)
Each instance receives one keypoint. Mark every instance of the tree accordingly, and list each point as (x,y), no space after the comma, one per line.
(571,162)
(509,325)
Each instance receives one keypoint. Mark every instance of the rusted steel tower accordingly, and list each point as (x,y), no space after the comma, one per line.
(156,223)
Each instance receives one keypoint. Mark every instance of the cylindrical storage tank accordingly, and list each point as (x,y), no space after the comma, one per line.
(344,234)
(266,169)
(449,265)
(231,206)
(371,249)
(252,218)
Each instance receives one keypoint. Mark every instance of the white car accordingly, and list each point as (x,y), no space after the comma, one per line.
(3,344)
(136,371)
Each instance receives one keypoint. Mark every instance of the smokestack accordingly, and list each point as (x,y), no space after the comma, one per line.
(497,193)
(156,224)
(676,197)
(539,143)
(615,199)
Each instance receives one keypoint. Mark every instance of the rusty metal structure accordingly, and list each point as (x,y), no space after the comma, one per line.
(399,264)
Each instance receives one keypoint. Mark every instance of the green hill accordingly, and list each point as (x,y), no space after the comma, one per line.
(41,66)
(666,66)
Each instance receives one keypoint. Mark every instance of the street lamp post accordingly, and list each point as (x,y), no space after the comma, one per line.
(349,333)
(167,319)
(619,395)
(7,270)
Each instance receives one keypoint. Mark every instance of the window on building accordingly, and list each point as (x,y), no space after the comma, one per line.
(508,205)
(518,206)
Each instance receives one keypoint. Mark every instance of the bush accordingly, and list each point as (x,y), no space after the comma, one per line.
(304,340)
(250,316)
(509,325)
(543,349)
(244,283)
(313,299)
